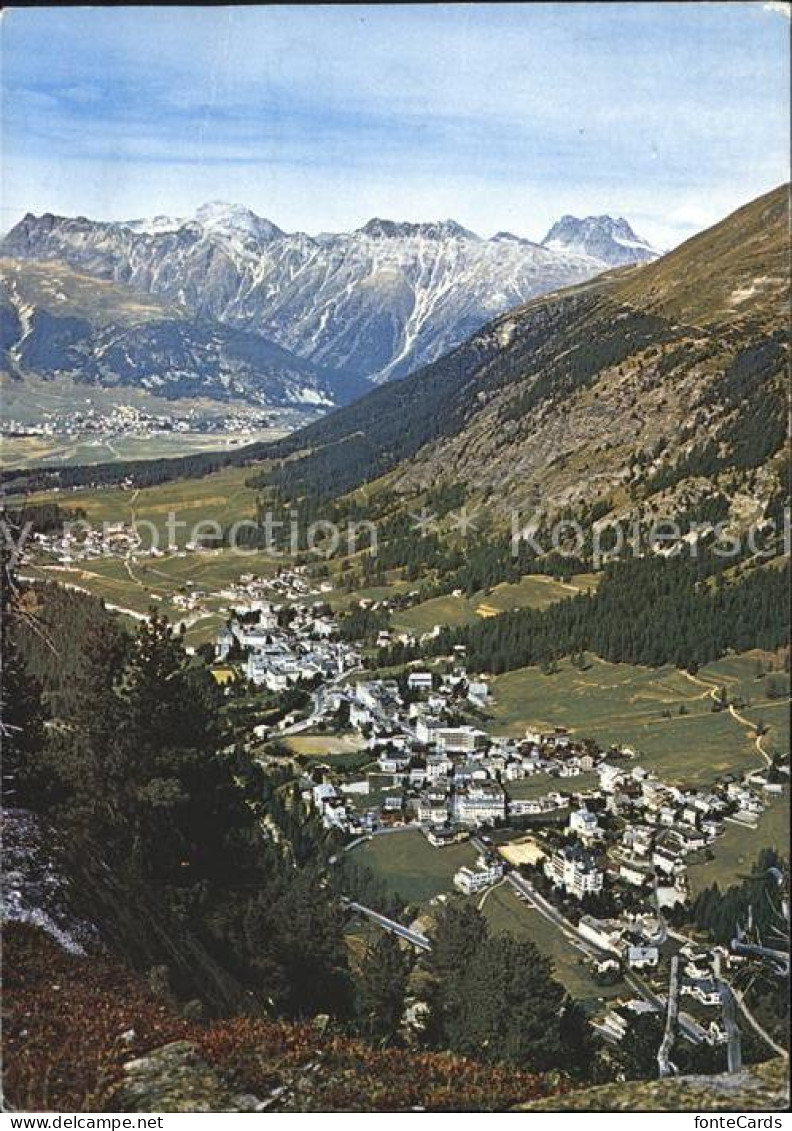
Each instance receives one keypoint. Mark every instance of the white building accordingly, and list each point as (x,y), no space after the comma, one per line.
(574,869)
(635,874)
(480,802)
(486,872)
(642,957)
(610,776)
(458,740)
(437,767)
(584,823)
(419,681)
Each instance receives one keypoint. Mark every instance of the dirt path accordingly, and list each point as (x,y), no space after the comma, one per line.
(488,892)
(712,691)
(753,726)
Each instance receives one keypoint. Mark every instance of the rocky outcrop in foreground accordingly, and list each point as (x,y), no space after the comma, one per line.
(759,1087)
(176,1078)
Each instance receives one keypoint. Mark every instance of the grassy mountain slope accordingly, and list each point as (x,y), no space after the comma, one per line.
(647,381)
(734,272)
(635,383)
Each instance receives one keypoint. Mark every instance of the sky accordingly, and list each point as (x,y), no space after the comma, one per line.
(502,117)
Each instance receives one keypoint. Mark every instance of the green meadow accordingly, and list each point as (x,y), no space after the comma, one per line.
(412,867)
(665,715)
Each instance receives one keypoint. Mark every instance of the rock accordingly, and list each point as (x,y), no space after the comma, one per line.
(176,1078)
(758,1087)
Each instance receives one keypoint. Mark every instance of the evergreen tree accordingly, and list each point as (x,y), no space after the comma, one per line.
(495,999)
(380,986)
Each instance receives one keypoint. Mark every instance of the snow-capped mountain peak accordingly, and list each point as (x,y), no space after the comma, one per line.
(235,219)
(433,230)
(376,302)
(610,240)
(156,225)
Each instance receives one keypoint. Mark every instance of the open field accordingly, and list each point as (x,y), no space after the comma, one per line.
(640,707)
(380,787)
(736,851)
(324,745)
(207,569)
(411,866)
(506,914)
(453,611)
(119,593)
(534,591)
(340,600)
(79,450)
(527,789)
(219,497)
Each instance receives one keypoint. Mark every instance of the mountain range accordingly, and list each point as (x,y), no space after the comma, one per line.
(641,388)
(374,303)
(57,322)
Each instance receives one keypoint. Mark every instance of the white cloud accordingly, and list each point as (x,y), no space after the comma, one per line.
(782,7)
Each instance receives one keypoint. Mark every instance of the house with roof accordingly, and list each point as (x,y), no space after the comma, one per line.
(575,870)
(487,871)
(642,957)
(480,802)
(607,934)
(584,824)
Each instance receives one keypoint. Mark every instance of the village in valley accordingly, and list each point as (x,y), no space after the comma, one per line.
(588,840)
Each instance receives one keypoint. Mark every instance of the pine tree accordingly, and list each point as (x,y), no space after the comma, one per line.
(380,986)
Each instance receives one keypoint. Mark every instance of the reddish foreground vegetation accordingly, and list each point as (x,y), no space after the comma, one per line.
(71,1023)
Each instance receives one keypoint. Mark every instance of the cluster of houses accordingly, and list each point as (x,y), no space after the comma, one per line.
(442,773)
(698,987)
(288,584)
(635,832)
(445,773)
(625,828)
(279,651)
(79,541)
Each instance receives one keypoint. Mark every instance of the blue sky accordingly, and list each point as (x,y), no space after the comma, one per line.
(500,116)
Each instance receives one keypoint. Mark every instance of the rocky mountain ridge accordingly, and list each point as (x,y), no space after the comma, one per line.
(377,302)
(630,386)
(58,323)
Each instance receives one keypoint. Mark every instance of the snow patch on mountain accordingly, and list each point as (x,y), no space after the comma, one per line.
(377,302)
(610,240)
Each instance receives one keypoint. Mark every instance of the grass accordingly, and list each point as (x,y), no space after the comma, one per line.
(508,915)
(79,451)
(639,707)
(380,787)
(526,789)
(412,867)
(736,851)
(453,611)
(534,591)
(324,746)
(220,497)
(142,584)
